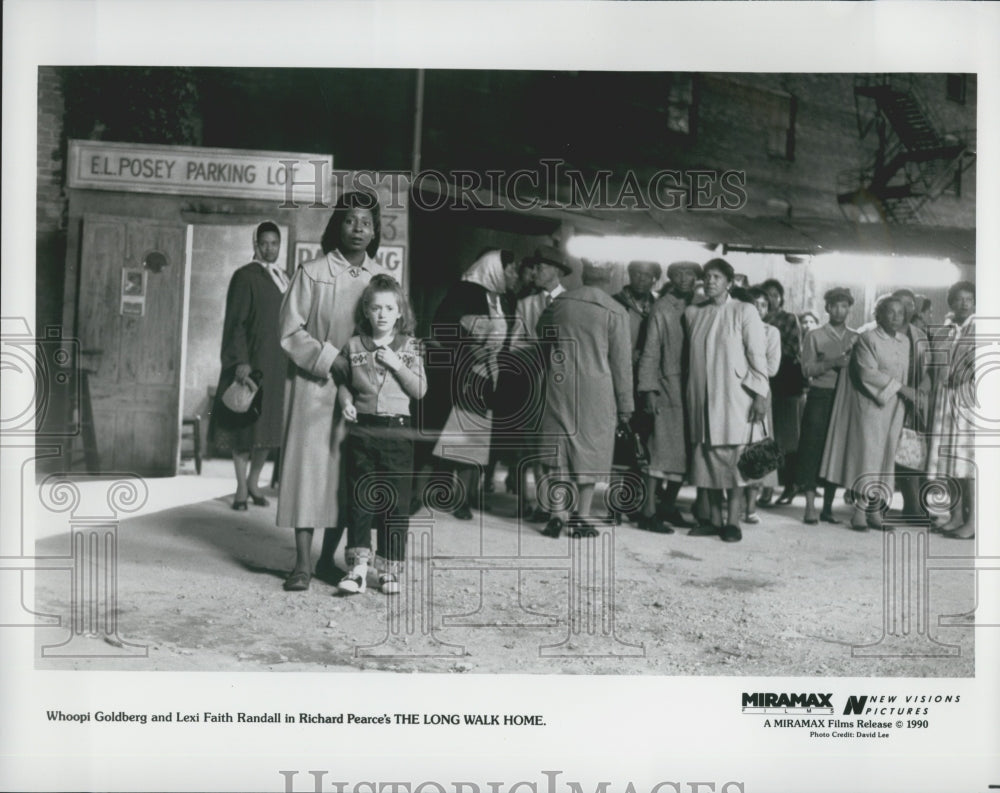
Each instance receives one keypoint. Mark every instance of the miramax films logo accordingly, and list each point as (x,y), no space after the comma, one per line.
(763,701)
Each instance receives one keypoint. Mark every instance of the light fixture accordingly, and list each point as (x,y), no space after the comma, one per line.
(624,249)
(911,271)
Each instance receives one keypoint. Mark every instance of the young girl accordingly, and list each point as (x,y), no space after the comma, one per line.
(379,372)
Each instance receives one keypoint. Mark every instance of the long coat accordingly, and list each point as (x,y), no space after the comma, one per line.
(867,414)
(951,450)
(661,367)
(773,355)
(317,319)
(638,319)
(588,378)
(727,367)
(250,336)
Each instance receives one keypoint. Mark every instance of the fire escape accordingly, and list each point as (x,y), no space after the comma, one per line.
(913,163)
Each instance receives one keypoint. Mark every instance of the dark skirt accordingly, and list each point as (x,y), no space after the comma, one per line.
(518,404)
(787,425)
(258,428)
(812,437)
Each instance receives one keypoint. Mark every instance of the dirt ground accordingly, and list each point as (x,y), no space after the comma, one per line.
(199,588)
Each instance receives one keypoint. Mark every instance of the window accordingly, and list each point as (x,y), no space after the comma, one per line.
(681,105)
(780,115)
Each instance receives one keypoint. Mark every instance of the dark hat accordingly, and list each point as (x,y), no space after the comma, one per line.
(676,266)
(837,294)
(546,254)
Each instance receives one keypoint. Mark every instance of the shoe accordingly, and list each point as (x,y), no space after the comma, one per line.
(240,506)
(676,519)
(810,521)
(827,517)
(704,530)
(859,527)
(958,535)
(328,572)
(579,528)
(654,524)
(731,533)
(463,512)
(536,515)
(259,500)
(388,583)
(785,498)
(297,582)
(554,528)
(765,497)
(356,581)
(752,518)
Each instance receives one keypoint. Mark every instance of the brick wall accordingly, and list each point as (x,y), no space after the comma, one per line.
(736,111)
(50,202)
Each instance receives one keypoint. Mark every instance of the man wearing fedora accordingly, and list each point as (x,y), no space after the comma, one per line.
(548,265)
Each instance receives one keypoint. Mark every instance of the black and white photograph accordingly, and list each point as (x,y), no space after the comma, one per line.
(471,403)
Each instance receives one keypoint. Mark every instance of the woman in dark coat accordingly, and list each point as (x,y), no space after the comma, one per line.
(250,344)
(787,388)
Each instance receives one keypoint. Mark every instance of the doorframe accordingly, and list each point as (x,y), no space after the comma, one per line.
(185,308)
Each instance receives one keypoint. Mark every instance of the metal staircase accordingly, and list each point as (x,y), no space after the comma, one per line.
(913,163)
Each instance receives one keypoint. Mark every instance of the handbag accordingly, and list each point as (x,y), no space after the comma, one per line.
(245,397)
(911,451)
(630,452)
(758,459)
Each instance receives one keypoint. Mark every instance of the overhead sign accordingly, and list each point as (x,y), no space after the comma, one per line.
(188,170)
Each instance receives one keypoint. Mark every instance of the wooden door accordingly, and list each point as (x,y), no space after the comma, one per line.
(131,314)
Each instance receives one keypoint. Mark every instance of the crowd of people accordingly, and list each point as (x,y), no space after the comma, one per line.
(521,372)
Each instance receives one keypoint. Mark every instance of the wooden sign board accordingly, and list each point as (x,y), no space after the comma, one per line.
(187,170)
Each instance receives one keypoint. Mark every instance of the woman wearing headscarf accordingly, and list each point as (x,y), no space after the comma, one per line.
(868,411)
(471,325)
(317,320)
(727,394)
(950,454)
(250,346)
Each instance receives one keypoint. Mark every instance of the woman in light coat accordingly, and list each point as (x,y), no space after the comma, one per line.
(758,298)
(727,393)
(868,411)
(661,385)
(951,449)
(317,319)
